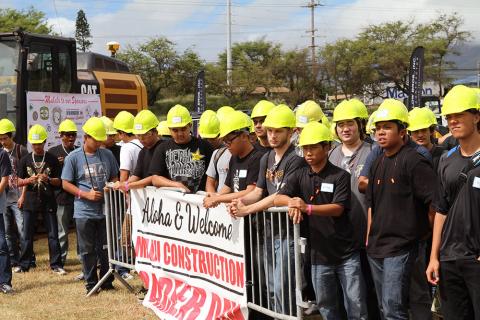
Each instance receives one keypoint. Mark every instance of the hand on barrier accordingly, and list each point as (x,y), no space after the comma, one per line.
(92,195)
(295,214)
(210,200)
(181,186)
(297,203)
(119,186)
(237,209)
(433,272)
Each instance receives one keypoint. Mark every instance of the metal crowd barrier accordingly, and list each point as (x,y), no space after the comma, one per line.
(274,262)
(121,252)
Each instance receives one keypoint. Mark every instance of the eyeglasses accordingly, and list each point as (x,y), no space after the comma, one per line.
(229,141)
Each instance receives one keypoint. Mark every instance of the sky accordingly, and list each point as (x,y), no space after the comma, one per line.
(202,24)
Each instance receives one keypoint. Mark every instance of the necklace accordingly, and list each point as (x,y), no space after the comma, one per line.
(41,163)
(65,150)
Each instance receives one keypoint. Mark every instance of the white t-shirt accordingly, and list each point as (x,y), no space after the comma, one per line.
(222,167)
(129,155)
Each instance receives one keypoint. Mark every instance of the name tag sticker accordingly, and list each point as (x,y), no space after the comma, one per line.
(327,187)
(242,174)
(476,182)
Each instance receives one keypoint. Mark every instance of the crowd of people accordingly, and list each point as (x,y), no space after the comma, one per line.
(390,210)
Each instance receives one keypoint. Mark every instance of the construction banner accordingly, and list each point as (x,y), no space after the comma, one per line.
(190,259)
(49,109)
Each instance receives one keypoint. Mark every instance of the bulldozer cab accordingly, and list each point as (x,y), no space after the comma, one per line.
(32,62)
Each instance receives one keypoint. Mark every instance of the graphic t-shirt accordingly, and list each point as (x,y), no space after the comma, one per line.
(88,171)
(40,194)
(185,163)
(18,151)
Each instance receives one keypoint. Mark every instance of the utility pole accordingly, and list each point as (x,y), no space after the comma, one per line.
(478,74)
(312,5)
(229,43)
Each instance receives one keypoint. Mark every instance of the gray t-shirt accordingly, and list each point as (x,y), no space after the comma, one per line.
(222,163)
(101,168)
(13,192)
(353,164)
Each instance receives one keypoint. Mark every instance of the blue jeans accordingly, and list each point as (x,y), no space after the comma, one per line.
(348,274)
(50,223)
(92,242)
(14,236)
(392,282)
(273,270)
(5,267)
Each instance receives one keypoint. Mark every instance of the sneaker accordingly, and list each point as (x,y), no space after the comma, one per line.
(5,288)
(79,277)
(59,271)
(18,269)
(127,276)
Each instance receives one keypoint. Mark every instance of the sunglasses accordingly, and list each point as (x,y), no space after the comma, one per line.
(230,141)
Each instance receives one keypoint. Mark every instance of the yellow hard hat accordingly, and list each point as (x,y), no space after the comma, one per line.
(349,110)
(6,126)
(262,108)
(178,117)
(313,133)
(460,98)
(237,120)
(95,128)
(370,123)
(162,129)
(144,121)
(124,121)
(67,125)
(250,121)
(222,112)
(108,123)
(421,118)
(307,112)
(209,125)
(280,117)
(37,134)
(391,110)
(362,109)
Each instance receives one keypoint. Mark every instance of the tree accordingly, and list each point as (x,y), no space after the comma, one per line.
(155,62)
(30,20)
(82,32)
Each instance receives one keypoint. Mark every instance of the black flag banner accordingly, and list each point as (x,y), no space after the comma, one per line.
(200,102)
(415,77)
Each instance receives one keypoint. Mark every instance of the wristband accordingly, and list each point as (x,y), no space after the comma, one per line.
(78,194)
(309,209)
(126,185)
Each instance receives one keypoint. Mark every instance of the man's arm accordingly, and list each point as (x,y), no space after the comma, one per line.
(226,196)
(369,223)
(159,181)
(3,183)
(433,270)
(124,174)
(211,186)
(91,195)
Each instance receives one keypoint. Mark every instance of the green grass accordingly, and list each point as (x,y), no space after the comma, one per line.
(41,294)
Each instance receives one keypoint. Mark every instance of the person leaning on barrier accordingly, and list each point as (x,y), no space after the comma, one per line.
(275,168)
(182,161)
(145,128)
(85,173)
(13,216)
(5,266)
(400,189)
(68,135)
(209,128)
(110,143)
(322,192)
(40,174)
(131,146)
(259,114)
(244,163)
(455,257)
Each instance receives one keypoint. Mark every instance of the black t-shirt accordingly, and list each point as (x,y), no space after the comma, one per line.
(63,198)
(261,148)
(460,202)
(449,143)
(243,171)
(437,152)
(399,193)
(115,149)
(272,176)
(331,238)
(41,194)
(144,160)
(185,163)
(5,166)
